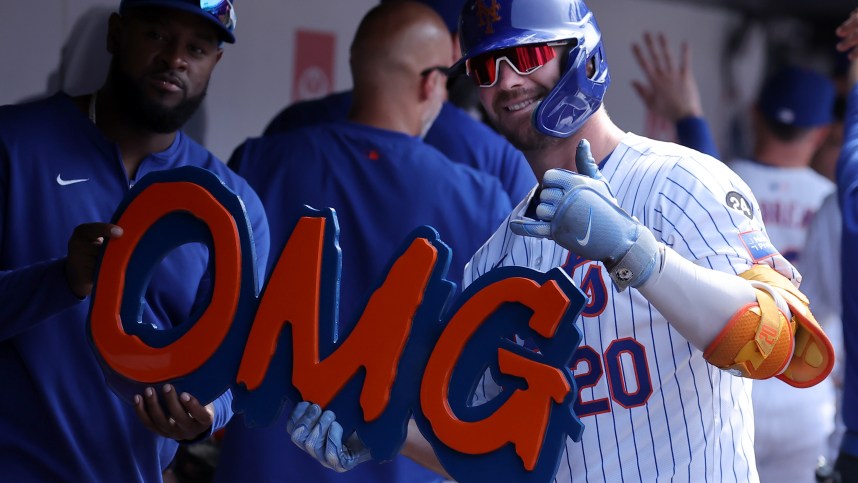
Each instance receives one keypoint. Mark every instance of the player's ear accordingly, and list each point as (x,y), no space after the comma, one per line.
(427,86)
(457,48)
(432,85)
(820,135)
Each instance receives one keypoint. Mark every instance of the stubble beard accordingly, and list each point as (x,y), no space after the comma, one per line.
(146,113)
(520,133)
(526,138)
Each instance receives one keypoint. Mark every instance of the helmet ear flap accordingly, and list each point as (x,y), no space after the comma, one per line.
(565,58)
(576,96)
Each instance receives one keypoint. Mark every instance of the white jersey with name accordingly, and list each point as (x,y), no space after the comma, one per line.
(652,407)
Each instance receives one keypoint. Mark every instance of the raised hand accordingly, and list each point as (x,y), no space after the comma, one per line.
(669,92)
(579,212)
(321,436)
(83,250)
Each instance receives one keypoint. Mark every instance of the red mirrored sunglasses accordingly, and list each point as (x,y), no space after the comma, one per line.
(524,60)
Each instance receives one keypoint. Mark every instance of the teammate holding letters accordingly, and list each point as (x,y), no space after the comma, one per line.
(59,419)
(688,299)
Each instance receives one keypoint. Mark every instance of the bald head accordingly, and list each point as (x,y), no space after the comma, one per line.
(396,41)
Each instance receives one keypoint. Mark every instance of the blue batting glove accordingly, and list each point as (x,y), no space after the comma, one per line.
(319,434)
(342,457)
(579,212)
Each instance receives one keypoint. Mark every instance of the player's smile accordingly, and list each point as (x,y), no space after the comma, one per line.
(520,105)
(511,101)
(514,102)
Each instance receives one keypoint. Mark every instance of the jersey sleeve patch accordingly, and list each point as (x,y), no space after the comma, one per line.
(758,245)
(738,202)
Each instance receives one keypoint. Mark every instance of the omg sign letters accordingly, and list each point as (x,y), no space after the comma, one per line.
(412,353)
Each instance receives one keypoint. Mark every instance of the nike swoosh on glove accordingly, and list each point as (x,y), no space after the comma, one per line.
(580,213)
(319,434)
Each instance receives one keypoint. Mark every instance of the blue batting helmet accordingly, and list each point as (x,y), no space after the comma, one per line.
(487,25)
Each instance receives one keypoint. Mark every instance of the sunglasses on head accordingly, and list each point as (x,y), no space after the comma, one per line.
(524,60)
(222,10)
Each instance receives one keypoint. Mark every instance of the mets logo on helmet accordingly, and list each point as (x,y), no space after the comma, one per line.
(488,15)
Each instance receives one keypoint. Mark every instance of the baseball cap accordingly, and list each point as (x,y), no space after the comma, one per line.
(797,97)
(220,13)
(448,10)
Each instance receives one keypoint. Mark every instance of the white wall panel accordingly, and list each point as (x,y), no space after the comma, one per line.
(254,79)
(705,28)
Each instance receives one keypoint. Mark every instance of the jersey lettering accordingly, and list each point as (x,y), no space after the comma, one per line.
(586,356)
(592,284)
(628,378)
(739,203)
(625,358)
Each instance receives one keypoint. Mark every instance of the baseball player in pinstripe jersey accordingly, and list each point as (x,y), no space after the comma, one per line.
(688,299)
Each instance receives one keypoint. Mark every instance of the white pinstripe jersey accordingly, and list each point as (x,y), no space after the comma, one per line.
(653,408)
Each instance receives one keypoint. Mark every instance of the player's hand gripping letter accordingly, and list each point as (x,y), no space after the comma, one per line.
(321,436)
(84,247)
(580,213)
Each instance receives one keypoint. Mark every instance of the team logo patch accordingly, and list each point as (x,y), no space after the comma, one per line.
(758,245)
(488,15)
(736,201)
